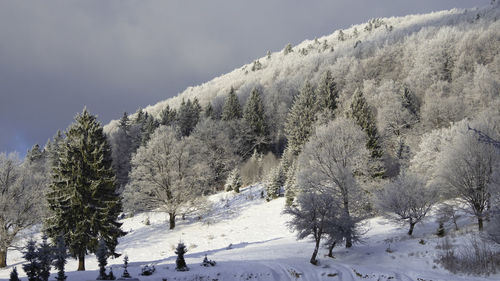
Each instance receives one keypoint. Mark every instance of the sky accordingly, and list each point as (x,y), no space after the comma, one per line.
(117,56)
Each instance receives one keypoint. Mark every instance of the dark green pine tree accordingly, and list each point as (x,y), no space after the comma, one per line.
(82,197)
(60,257)
(102,259)
(255,119)
(300,120)
(45,257)
(209,111)
(168,116)
(35,154)
(148,128)
(410,102)
(122,151)
(362,114)
(53,148)
(13,275)
(32,266)
(188,116)
(327,93)
(232,107)
(180,263)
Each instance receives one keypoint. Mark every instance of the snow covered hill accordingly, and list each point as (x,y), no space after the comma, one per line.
(249,240)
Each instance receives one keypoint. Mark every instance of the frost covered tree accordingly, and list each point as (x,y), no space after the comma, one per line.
(166,174)
(82,198)
(300,120)
(255,119)
(102,259)
(407,199)
(288,49)
(311,216)
(216,150)
(19,201)
(328,164)
(233,181)
(232,108)
(168,116)
(468,166)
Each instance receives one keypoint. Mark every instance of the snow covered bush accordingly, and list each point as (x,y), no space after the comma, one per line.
(147,270)
(180,263)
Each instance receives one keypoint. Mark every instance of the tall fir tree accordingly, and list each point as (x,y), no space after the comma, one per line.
(13,275)
(35,154)
(180,263)
(232,107)
(82,197)
(362,114)
(188,116)
(300,120)
(122,151)
(168,116)
(149,126)
(327,93)
(255,119)
(209,111)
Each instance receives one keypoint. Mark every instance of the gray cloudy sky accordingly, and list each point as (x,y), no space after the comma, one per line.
(116,56)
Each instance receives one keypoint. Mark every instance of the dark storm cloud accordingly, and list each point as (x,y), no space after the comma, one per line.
(115,56)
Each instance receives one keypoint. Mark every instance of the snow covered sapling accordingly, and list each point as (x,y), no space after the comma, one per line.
(147,270)
(102,259)
(13,275)
(32,267)
(125,273)
(206,262)
(180,262)
(60,256)
(234,181)
(45,257)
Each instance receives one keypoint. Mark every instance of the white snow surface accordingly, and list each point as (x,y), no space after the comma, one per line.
(249,239)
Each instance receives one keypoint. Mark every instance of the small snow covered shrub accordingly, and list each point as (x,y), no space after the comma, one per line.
(207,263)
(476,257)
(147,270)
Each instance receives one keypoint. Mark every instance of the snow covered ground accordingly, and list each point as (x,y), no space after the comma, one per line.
(249,240)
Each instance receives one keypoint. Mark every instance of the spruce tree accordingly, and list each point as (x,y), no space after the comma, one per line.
(168,116)
(254,116)
(34,154)
(180,263)
(125,266)
(209,111)
(188,116)
(45,257)
(82,197)
(32,268)
(122,151)
(60,256)
(232,107)
(149,126)
(327,93)
(13,275)
(300,120)
(362,114)
(102,259)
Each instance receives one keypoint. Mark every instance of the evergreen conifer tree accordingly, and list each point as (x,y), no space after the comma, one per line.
(60,256)
(150,125)
(102,259)
(362,114)
(125,266)
(300,120)
(34,154)
(82,197)
(234,181)
(209,111)
(168,116)
(327,93)
(232,107)
(180,262)
(122,151)
(291,184)
(32,267)
(188,116)
(45,257)
(13,275)
(254,116)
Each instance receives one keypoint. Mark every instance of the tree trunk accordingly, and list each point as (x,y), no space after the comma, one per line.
(330,249)
(480,223)
(3,258)
(81,262)
(412,225)
(171,220)
(315,253)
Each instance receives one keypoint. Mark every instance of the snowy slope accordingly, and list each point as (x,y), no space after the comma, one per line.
(249,240)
